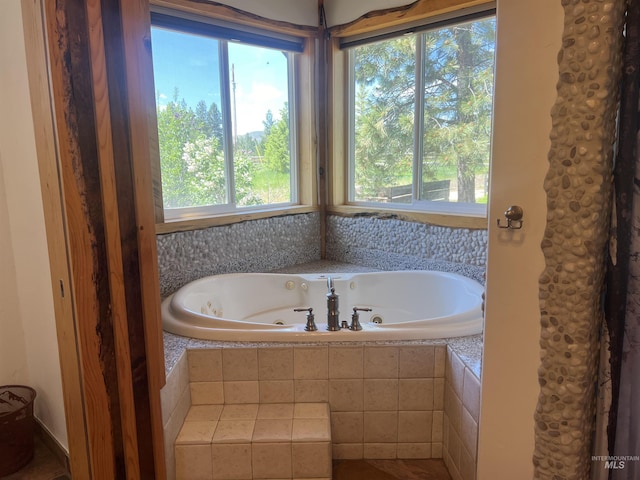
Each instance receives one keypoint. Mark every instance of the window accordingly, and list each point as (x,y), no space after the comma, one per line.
(420,106)
(225,104)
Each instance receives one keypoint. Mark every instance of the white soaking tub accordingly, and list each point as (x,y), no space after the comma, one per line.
(260,306)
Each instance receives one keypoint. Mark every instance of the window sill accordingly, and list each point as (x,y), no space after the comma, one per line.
(452,220)
(230,218)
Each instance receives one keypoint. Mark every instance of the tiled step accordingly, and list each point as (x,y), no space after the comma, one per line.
(252,441)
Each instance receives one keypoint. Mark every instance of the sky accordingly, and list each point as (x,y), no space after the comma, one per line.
(190,63)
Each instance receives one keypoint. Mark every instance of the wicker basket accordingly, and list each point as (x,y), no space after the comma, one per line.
(16,427)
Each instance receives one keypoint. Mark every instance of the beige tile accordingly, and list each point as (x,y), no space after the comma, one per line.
(241,392)
(440,360)
(272,430)
(239,364)
(437,428)
(415,427)
(453,447)
(193,462)
(231,461)
(276,391)
(239,412)
(446,428)
(311,390)
(347,427)
(181,369)
(170,461)
(348,451)
(271,460)
(436,450)
(275,363)
(311,410)
(234,431)
(171,430)
(453,469)
(311,430)
(416,394)
(438,393)
(196,433)
(205,365)
(455,372)
(177,380)
(467,466)
(380,394)
(380,450)
(416,361)
(346,362)
(168,399)
(380,362)
(453,407)
(276,411)
(414,450)
(471,394)
(380,427)
(469,433)
(173,426)
(311,460)
(204,413)
(346,395)
(206,393)
(311,363)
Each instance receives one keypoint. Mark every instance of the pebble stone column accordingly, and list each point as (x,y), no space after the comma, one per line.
(578,187)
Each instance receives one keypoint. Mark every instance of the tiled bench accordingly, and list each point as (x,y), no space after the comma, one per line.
(255,441)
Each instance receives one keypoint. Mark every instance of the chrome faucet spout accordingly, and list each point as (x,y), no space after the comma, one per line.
(333,313)
(330,285)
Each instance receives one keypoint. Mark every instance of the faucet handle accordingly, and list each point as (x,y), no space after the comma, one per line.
(311,324)
(355,318)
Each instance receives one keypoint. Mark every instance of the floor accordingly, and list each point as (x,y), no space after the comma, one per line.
(44,466)
(433,469)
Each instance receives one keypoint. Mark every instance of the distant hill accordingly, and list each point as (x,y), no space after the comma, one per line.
(258,135)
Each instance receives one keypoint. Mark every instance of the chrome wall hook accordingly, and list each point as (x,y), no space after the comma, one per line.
(513,214)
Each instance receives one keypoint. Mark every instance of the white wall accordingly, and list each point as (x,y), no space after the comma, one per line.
(13,357)
(529,38)
(32,292)
(300,12)
(341,11)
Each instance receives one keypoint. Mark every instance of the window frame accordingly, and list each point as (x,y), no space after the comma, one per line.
(301,108)
(341,201)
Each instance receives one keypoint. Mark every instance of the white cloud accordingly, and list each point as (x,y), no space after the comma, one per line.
(252,105)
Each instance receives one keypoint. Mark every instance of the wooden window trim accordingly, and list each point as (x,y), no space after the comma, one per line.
(398,16)
(417,216)
(338,202)
(305,117)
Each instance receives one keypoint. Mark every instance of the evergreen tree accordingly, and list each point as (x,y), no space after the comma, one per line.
(457,96)
(277,156)
(458,102)
(268,123)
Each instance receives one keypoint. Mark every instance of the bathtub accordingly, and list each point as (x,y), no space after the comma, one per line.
(260,306)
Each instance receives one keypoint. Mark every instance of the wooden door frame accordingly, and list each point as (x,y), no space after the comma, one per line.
(89,65)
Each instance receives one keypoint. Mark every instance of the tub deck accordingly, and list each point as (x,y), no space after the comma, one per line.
(469,348)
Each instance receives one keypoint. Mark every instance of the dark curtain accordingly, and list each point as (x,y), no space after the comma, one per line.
(622,301)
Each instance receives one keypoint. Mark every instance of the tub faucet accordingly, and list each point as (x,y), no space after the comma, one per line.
(333,314)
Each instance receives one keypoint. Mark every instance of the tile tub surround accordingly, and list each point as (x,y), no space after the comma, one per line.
(280,241)
(176,400)
(461,414)
(391,244)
